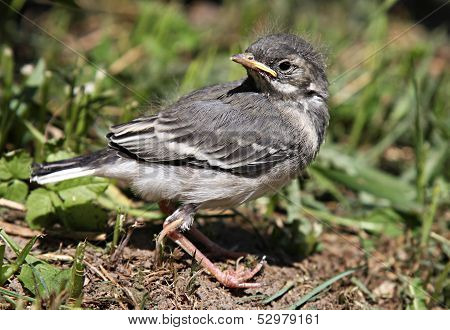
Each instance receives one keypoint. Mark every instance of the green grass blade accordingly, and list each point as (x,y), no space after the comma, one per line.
(26,250)
(4,292)
(373,224)
(14,267)
(15,247)
(418,294)
(429,216)
(38,136)
(77,277)
(118,228)
(303,300)
(419,144)
(359,176)
(441,281)
(294,209)
(2,254)
(363,288)
(289,285)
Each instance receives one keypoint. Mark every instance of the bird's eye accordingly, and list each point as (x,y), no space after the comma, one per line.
(285,66)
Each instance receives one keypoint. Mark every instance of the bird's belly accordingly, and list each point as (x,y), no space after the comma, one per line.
(207,187)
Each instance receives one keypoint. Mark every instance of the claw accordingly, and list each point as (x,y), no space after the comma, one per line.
(237,278)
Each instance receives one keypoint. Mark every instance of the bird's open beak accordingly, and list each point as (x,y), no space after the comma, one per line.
(248,60)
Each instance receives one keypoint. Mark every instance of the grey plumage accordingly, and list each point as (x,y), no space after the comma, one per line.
(225,144)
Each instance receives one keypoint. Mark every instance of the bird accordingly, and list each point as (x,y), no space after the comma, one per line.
(219,146)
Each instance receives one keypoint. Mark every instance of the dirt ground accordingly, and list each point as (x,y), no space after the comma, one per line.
(133,281)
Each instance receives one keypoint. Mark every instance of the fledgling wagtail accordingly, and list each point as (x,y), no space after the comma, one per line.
(221,145)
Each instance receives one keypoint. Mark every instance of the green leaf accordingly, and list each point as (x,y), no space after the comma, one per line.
(67,3)
(80,191)
(5,174)
(84,217)
(77,210)
(3,189)
(14,190)
(36,273)
(19,165)
(70,201)
(37,77)
(42,279)
(59,154)
(40,208)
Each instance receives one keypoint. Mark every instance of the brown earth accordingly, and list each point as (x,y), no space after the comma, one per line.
(133,281)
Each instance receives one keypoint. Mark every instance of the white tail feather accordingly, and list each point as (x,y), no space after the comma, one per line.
(57,176)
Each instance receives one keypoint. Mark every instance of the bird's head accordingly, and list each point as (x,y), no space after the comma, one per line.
(285,66)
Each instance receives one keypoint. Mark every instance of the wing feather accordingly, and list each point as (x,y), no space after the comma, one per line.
(208,133)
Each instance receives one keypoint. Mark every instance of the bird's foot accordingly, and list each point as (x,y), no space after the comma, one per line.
(238,278)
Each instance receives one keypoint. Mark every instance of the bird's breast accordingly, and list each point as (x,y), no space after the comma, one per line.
(304,130)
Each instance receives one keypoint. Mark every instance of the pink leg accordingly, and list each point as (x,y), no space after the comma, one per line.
(229,278)
(168,228)
(214,248)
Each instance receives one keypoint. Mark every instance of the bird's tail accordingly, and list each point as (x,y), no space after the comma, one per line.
(70,168)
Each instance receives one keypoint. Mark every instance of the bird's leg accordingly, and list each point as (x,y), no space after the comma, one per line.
(182,219)
(215,249)
(167,207)
(229,278)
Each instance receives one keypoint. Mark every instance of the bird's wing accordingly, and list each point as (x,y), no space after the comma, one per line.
(206,133)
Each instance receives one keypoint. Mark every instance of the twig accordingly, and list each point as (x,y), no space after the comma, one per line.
(439,238)
(55,257)
(109,277)
(17,230)
(130,57)
(130,295)
(13,229)
(77,235)
(12,205)
(122,288)
(96,271)
(125,241)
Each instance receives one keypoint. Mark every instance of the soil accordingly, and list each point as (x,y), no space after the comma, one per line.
(133,281)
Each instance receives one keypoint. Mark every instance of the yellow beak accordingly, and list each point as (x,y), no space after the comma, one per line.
(248,60)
